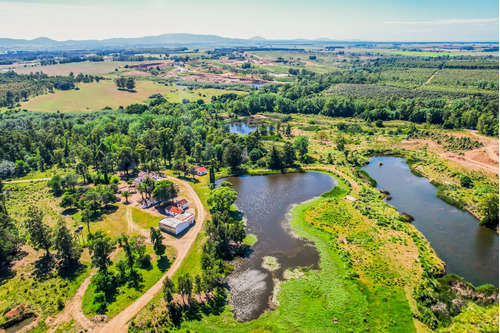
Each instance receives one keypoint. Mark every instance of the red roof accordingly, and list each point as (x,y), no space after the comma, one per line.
(174,209)
(202,169)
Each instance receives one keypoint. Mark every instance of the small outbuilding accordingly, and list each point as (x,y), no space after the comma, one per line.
(183,204)
(176,225)
(173,225)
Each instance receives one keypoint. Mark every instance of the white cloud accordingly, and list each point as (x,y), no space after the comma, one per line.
(449,21)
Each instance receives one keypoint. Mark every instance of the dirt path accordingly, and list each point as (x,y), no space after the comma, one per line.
(73,308)
(430,78)
(121,321)
(26,180)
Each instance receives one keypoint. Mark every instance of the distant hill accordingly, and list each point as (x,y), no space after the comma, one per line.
(165,40)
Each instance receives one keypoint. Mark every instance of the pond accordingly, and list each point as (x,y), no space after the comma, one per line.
(468,250)
(266,202)
(242,128)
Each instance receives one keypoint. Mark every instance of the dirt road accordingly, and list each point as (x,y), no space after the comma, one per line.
(26,180)
(73,308)
(121,321)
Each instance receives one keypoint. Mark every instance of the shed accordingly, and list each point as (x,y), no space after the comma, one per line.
(173,225)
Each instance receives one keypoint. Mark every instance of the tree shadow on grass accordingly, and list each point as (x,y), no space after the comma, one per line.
(71,273)
(6,273)
(69,211)
(43,267)
(136,281)
(163,263)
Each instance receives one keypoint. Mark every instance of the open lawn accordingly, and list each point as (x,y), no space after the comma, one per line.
(96,96)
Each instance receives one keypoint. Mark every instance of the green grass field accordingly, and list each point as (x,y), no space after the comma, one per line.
(96,96)
(102,67)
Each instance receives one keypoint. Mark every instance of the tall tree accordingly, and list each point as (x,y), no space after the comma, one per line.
(39,233)
(67,250)
(232,156)
(168,290)
(288,154)
(100,248)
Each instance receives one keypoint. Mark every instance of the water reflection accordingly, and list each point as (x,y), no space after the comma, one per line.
(468,249)
(266,202)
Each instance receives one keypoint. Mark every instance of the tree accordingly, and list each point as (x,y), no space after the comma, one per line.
(221,199)
(149,186)
(67,250)
(301,145)
(156,239)
(466,181)
(69,200)
(185,286)
(288,154)
(275,159)
(86,218)
(9,237)
(198,284)
(38,232)
(126,195)
(168,290)
(211,172)
(107,197)
(7,169)
(142,189)
(130,83)
(121,82)
(255,154)
(490,211)
(70,181)
(123,240)
(101,247)
(232,156)
(192,170)
(55,184)
(288,130)
(164,191)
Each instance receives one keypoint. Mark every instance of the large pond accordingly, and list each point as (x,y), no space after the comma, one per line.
(266,202)
(467,249)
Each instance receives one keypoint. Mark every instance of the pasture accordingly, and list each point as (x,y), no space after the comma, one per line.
(96,96)
(86,67)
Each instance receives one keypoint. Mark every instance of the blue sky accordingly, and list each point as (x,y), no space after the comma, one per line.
(382,20)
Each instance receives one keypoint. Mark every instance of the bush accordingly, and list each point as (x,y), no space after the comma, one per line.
(466,181)
(114,180)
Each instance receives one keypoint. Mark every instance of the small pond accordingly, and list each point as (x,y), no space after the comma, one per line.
(266,202)
(242,128)
(467,249)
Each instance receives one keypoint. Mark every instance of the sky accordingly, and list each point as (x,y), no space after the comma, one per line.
(368,20)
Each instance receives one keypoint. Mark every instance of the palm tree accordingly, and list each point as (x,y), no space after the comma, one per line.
(141,188)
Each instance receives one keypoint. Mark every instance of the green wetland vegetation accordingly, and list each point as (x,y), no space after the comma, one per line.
(333,111)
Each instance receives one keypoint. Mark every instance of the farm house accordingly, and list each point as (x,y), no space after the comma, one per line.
(200,171)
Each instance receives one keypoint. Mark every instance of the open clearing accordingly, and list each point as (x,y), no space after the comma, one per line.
(96,96)
(102,67)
